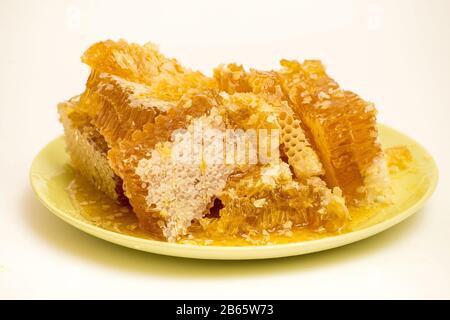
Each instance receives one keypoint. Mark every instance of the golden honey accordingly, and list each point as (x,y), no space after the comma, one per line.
(121,131)
(100,210)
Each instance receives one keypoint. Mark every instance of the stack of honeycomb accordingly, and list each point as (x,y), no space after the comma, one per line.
(146,110)
(340,126)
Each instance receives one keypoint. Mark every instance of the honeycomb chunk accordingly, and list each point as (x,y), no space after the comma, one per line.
(130,85)
(166,77)
(88,150)
(343,127)
(128,156)
(127,60)
(122,107)
(268,200)
(183,190)
(137,99)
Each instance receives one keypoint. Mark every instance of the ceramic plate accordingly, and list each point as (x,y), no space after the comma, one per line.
(50,176)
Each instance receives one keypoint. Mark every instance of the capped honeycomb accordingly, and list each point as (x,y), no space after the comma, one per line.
(133,145)
(181,186)
(88,150)
(343,127)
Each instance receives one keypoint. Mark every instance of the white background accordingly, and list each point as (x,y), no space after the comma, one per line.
(395,53)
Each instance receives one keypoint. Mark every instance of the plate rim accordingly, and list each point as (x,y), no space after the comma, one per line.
(236,252)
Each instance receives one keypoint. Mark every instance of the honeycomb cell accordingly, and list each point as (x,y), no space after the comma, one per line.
(301,156)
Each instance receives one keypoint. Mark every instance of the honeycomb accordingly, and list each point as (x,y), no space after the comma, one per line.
(128,61)
(233,78)
(88,150)
(182,191)
(248,111)
(167,79)
(267,196)
(139,82)
(137,99)
(343,127)
(253,135)
(294,143)
(128,151)
(239,154)
(301,156)
(268,200)
(122,107)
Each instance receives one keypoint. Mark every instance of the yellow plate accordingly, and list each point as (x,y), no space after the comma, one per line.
(411,189)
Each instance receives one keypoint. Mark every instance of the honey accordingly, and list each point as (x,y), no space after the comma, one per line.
(122,133)
(343,128)
(100,210)
(398,158)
